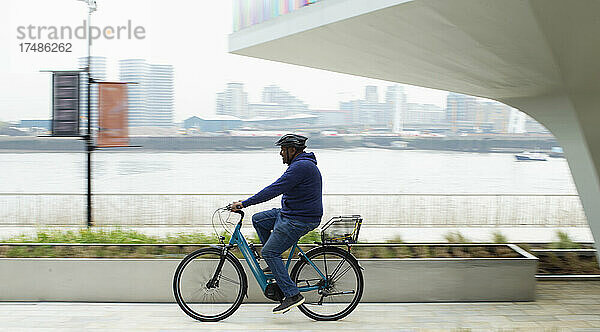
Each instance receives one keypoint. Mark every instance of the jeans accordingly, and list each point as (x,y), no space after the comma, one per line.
(278,234)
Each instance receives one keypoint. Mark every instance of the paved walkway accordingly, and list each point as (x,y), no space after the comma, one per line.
(561,306)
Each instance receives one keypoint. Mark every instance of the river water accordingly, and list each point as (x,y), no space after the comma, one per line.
(359,170)
(352,171)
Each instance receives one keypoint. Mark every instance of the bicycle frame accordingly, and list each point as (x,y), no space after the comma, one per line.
(238,239)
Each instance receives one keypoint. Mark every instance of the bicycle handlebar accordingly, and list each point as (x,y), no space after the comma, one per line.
(240,212)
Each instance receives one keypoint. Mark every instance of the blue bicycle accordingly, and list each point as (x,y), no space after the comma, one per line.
(210,283)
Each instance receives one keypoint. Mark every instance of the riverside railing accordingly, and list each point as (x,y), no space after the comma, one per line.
(377,210)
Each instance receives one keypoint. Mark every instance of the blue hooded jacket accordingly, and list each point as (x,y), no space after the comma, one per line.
(302,188)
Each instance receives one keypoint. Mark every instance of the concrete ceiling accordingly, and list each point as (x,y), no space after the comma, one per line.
(496,49)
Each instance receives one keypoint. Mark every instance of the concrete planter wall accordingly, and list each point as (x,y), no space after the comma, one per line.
(387,280)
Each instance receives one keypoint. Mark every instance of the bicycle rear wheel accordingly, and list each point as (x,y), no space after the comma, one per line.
(201,299)
(339,296)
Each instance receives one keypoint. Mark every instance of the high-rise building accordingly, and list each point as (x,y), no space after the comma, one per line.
(98,72)
(367,113)
(425,116)
(516,122)
(151,96)
(497,114)
(289,104)
(395,100)
(161,96)
(461,111)
(233,101)
(371,94)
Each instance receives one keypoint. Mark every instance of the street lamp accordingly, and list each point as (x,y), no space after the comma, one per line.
(88,138)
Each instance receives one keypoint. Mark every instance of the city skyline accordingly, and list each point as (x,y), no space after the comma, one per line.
(192,37)
(386,111)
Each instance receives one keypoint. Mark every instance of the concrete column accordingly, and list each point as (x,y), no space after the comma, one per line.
(575,122)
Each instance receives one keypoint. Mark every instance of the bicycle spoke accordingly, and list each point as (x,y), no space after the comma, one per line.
(340,294)
(192,278)
(337,267)
(333,279)
(228,279)
(325,263)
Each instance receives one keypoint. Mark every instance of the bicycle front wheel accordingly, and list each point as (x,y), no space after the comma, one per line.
(202,297)
(338,295)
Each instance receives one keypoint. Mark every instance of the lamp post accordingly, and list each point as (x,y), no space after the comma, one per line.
(88,137)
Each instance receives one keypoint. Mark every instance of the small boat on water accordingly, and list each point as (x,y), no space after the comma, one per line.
(557,152)
(531,156)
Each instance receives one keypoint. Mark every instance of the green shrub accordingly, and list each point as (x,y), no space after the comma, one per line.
(564,242)
(498,237)
(112,236)
(456,237)
(395,239)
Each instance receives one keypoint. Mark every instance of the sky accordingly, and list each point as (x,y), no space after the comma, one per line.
(190,35)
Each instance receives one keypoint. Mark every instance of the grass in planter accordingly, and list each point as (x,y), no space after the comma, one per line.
(402,252)
(421,251)
(460,252)
(505,252)
(440,252)
(479,252)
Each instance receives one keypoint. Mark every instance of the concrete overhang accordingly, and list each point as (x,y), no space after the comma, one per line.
(490,48)
(540,56)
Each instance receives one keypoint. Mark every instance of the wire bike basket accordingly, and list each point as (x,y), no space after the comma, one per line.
(342,229)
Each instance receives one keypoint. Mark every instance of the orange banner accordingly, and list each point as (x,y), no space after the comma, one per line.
(112,109)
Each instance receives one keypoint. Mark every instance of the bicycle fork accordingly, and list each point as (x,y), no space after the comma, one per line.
(214,281)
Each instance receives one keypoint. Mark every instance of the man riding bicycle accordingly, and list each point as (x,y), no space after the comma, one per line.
(301,211)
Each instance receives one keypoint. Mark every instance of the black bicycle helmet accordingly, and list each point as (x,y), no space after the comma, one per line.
(293,140)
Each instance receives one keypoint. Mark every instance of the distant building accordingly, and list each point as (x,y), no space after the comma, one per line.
(461,112)
(516,122)
(35,124)
(266,110)
(371,94)
(367,113)
(213,123)
(395,100)
(151,99)
(333,118)
(497,115)
(424,116)
(298,121)
(233,101)
(289,104)
(276,104)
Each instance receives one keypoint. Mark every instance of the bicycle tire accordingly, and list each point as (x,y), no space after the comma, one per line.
(209,253)
(345,258)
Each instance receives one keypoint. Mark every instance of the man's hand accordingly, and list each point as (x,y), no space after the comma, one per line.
(236,206)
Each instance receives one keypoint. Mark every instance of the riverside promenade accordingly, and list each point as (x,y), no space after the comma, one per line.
(560,306)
